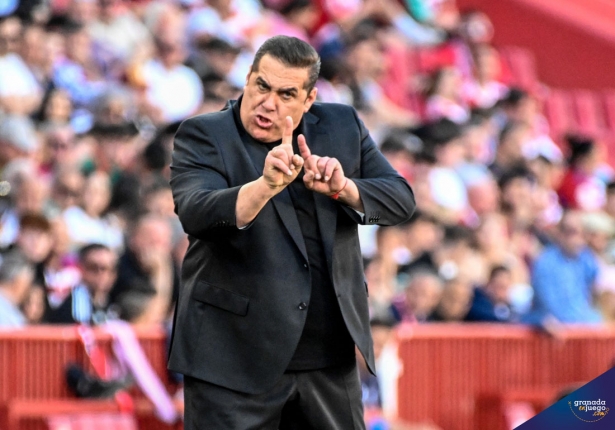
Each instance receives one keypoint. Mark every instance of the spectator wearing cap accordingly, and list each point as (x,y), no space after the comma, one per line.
(580,187)
(564,276)
(20,93)
(15,279)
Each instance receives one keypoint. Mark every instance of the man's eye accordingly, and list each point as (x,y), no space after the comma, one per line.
(287,96)
(261,86)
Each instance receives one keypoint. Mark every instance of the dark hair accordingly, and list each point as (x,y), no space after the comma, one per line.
(385,321)
(496,270)
(134,302)
(514,97)
(580,147)
(294,6)
(35,221)
(292,52)
(401,141)
(510,128)
(87,249)
(519,171)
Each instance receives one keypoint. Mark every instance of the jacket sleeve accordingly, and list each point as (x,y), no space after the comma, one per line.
(387,198)
(203,199)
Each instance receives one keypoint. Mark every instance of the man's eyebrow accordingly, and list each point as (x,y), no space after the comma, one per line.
(290,90)
(262,82)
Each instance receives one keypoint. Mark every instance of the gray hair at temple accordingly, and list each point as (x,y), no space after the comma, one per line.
(12,265)
(291,52)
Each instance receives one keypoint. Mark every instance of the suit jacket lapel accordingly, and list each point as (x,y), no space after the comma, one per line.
(326,208)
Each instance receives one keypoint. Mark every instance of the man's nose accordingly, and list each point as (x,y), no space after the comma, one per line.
(270,101)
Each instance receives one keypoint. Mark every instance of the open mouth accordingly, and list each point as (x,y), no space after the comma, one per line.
(263,122)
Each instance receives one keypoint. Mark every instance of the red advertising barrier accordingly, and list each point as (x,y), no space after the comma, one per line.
(33,388)
(468,376)
(459,376)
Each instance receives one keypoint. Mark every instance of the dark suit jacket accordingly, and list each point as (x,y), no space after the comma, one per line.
(241,307)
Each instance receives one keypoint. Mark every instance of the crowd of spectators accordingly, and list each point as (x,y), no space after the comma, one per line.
(513,225)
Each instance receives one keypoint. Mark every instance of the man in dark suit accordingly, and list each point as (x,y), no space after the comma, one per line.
(273,298)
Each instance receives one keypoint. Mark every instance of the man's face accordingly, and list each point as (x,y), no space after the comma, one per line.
(572,239)
(98,270)
(271,94)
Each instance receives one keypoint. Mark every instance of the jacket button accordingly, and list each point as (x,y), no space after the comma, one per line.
(302,306)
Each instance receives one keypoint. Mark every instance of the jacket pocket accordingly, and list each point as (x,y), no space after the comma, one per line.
(221,298)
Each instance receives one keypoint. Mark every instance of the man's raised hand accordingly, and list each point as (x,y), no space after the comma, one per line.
(281,165)
(322,174)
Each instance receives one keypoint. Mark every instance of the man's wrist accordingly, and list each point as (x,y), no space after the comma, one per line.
(336,195)
(267,189)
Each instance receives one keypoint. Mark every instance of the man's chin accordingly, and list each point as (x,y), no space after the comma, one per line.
(264,135)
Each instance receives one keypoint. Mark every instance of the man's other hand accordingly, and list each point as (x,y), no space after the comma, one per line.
(322,174)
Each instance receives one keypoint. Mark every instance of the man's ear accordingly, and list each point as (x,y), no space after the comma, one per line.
(311,98)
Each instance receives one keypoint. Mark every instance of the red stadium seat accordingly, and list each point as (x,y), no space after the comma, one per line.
(522,66)
(559,113)
(608,98)
(588,111)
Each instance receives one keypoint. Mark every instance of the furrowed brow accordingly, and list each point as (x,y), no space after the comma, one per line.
(289,90)
(262,82)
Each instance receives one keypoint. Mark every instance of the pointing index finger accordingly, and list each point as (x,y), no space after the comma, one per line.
(304,150)
(287,134)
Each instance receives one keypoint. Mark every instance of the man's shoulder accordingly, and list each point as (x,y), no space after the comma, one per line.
(209,120)
(325,110)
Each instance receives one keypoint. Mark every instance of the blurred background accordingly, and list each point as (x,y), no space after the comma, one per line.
(493,301)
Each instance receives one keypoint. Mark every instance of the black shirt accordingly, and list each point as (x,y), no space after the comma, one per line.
(325,340)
